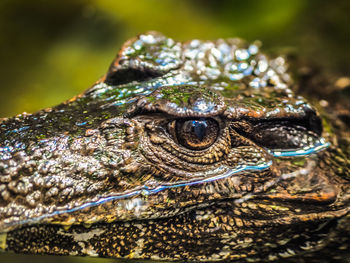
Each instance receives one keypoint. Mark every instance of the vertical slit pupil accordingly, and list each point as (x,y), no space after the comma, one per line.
(199,129)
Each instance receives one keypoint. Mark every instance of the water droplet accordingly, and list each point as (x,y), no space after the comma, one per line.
(242,54)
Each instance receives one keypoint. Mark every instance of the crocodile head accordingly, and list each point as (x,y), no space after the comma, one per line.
(182,151)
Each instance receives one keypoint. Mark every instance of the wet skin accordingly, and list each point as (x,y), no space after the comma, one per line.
(194,151)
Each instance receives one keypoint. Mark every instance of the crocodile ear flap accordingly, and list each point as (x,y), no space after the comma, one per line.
(145,57)
(284,134)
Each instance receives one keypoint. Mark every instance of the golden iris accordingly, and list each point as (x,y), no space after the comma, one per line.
(195,134)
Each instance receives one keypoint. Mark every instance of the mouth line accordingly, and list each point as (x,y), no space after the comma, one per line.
(143,191)
(146,191)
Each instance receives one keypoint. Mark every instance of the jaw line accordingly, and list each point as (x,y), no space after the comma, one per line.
(143,191)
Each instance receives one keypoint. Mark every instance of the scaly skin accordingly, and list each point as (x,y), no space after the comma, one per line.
(196,151)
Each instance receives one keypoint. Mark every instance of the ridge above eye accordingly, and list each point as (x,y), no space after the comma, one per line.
(195,134)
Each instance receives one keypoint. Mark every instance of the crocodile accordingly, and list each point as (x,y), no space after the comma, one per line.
(184,151)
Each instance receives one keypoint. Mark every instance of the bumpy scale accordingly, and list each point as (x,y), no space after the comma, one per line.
(196,151)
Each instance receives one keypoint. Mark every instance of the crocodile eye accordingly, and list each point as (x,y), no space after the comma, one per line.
(196,134)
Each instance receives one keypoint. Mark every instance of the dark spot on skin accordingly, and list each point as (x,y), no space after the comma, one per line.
(129,75)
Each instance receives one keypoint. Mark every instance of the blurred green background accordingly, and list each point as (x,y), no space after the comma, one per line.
(53,50)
